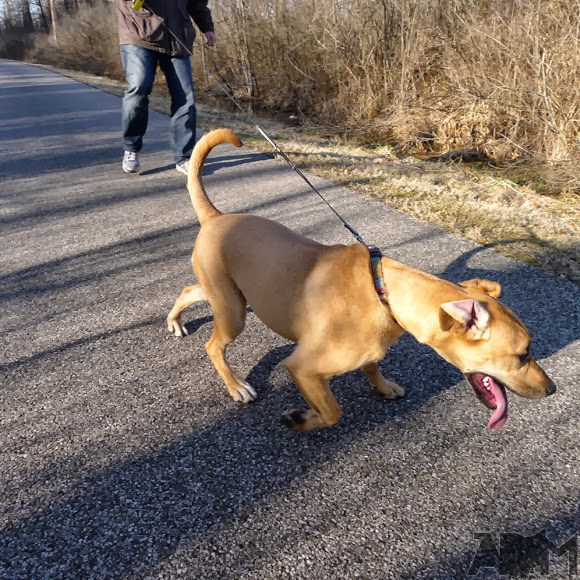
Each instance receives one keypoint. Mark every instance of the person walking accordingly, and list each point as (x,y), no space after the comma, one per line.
(160,33)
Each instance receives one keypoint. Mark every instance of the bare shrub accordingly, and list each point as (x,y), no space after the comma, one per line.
(87,41)
(501,76)
(13,44)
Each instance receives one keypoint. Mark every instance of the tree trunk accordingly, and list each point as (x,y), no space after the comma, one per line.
(53,20)
(27,23)
(43,17)
(8,21)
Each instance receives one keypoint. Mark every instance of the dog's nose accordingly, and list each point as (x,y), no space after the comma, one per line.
(551,389)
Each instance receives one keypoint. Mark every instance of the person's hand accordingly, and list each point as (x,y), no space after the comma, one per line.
(211,38)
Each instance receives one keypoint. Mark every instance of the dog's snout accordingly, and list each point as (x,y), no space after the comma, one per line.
(551,389)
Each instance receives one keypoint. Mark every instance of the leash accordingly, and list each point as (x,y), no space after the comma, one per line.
(374,251)
(356,235)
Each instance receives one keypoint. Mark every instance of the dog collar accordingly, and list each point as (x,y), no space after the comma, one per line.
(377,269)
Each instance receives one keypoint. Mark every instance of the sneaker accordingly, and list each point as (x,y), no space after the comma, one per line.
(183,167)
(131,162)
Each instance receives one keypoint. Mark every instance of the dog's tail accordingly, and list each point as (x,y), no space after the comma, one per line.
(203,207)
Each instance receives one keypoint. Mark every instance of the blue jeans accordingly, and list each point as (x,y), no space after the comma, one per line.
(140,65)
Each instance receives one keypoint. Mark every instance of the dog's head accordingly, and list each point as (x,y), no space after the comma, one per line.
(491,347)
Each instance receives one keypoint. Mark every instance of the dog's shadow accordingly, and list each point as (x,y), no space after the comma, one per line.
(414,366)
(192,326)
(260,373)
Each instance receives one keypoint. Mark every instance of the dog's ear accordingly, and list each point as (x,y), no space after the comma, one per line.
(469,316)
(488,287)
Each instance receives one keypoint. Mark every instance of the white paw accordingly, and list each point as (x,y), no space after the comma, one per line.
(176,328)
(245,394)
(399,391)
(390,390)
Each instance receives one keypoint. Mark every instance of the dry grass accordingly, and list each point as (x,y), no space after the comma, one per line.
(474,201)
(498,76)
(514,220)
(87,41)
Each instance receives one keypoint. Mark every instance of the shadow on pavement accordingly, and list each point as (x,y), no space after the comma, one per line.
(213,164)
(72,270)
(17,221)
(133,515)
(540,548)
(546,304)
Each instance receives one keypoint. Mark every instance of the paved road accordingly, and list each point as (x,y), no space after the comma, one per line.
(120,453)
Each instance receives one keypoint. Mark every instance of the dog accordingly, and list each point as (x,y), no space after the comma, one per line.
(323,298)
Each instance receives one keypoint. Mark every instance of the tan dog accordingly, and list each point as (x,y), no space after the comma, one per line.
(324,299)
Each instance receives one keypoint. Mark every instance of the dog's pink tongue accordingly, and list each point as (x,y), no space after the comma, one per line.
(500,414)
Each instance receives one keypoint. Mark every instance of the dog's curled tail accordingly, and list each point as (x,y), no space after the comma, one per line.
(203,207)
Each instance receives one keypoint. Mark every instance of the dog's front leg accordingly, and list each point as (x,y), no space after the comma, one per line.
(315,388)
(380,384)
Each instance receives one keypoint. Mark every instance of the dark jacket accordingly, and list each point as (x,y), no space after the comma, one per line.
(150,26)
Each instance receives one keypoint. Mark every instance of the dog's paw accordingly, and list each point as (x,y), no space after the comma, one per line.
(293,419)
(390,390)
(243,394)
(399,391)
(175,327)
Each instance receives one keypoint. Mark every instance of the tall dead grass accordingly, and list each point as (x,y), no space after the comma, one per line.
(87,41)
(501,76)
(498,76)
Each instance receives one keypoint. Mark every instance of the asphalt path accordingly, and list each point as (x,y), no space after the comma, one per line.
(122,455)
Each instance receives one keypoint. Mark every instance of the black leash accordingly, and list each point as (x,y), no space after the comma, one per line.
(137,4)
(357,236)
(374,251)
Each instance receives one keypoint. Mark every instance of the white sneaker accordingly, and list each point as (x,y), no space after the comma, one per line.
(131,163)
(183,167)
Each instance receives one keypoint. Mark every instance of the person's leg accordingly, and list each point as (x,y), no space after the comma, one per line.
(177,72)
(139,65)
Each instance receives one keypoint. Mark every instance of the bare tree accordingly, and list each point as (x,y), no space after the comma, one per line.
(8,15)
(27,23)
(41,9)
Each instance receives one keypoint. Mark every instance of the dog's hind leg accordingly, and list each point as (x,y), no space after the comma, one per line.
(315,388)
(189,295)
(229,309)
(387,388)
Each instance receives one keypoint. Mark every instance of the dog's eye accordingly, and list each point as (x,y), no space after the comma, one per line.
(524,358)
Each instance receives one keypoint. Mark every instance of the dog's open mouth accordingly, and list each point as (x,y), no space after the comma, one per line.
(492,394)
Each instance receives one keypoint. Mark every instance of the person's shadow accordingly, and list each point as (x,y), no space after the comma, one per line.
(214,164)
